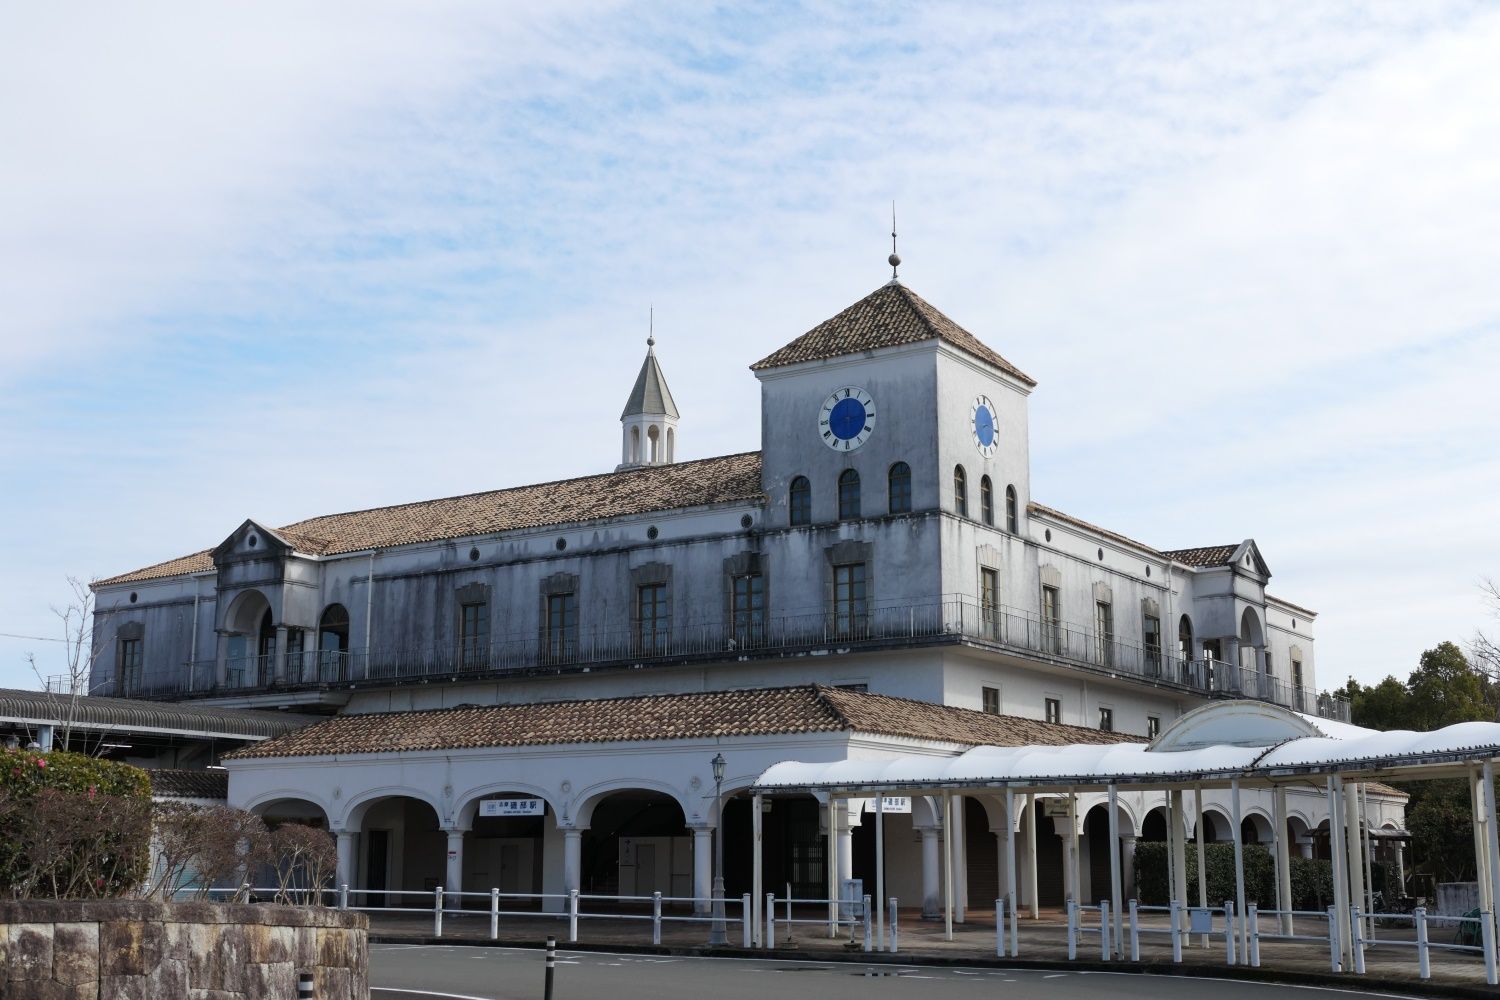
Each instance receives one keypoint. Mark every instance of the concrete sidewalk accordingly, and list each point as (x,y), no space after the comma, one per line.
(1388,965)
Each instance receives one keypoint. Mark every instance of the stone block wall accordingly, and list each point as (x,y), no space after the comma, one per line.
(125,949)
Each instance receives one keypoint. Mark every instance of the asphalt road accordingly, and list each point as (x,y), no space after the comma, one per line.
(412,972)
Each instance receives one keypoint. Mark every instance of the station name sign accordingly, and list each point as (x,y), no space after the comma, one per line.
(896,803)
(512,807)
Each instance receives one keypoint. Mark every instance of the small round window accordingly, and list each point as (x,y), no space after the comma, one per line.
(1148,570)
(1101,555)
(1048,534)
(473,555)
(652,533)
(746,521)
(562,543)
(134,597)
(253,541)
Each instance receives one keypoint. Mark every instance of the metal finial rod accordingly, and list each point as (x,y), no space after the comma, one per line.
(894,260)
(651,327)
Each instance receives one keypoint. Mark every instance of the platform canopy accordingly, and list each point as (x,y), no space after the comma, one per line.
(1257,743)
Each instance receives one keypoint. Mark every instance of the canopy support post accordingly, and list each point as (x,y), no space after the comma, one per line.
(1177,829)
(1010,867)
(947,866)
(879,870)
(1116,891)
(757,875)
(1202,864)
(1036,905)
(1239,866)
(1283,860)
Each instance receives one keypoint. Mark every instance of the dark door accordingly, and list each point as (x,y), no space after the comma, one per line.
(377,849)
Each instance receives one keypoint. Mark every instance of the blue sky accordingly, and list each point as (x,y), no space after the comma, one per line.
(278,260)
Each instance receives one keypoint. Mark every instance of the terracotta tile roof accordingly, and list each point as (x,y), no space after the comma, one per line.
(752,712)
(1381,788)
(706,481)
(1204,555)
(890,316)
(176,783)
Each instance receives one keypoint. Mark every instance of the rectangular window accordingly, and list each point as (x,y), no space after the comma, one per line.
(1106,719)
(989,600)
(473,635)
(130,665)
(1299,701)
(1051,621)
(1151,633)
(1153,727)
(296,642)
(561,627)
(991,697)
(849,607)
(1054,710)
(749,611)
(1104,633)
(652,618)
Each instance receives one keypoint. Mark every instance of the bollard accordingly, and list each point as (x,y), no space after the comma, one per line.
(1000,928)
(573,915)
(1072,930)
(1253,918)
(1487,933)
(656,917)
(305,988)
(747,920)
(1174,910)
(1135,934)
(1424,968)
(1333,941)
(344,897)
(893,925)
(1104,934)
(437,912)
(1229,932)
(494,914)
(551,967)
(770,921)
(1357,940)
(869,925)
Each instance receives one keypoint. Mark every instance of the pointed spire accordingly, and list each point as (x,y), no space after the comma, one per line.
(894,259)
(650,394)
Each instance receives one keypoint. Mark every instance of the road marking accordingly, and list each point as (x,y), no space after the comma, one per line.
(427,993)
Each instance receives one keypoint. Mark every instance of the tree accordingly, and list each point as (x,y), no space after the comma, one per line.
(1383,706)
(1446,689)
(79,654)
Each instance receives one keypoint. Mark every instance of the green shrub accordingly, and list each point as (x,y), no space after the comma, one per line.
(71,826)
(1152,874)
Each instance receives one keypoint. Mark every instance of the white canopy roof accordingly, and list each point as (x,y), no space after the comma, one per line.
(1269,743)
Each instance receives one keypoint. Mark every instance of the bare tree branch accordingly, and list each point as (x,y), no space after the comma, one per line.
(79,655)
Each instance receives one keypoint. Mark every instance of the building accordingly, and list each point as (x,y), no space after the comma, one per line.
(875,580)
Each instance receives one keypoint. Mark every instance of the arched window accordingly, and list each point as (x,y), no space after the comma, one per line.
(1012,511)
(1185,637)
(671,445)
(333,643)
(986,500)
(635,444)
(653,445)
(848,494)
(267,635)
(799,501)
(900,498)
(960,491)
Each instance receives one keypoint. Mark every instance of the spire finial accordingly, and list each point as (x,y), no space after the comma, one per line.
(893,259)
(651,328)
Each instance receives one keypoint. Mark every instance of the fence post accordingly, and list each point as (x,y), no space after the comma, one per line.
(1487,934)
(893,925)
(573,915)
(344,897)
(1106,939)
(865,918)
(437,912)
(305,988)
(656,917)
(494,913)
(1356,940)
(770,920)
(1229,931)
(747,921)
(1424,968)
(1253,918)
(1000,928)
(1333,940)
(1072,930)
(551,966)
(1135,934)
(1174,909)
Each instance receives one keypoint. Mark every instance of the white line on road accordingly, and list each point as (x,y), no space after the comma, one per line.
(426,993)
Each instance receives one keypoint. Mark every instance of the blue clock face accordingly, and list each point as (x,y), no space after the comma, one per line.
(985,425)
(847,418)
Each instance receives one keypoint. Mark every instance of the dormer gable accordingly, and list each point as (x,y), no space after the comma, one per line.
(251,540)
(1247,557)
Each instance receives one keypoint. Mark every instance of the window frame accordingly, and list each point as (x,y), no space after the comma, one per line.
(747,608)
(1104,633)
(1052,710)
(1153,726)
(960,491)
(653,618)
(899,472)
(851,583)
(1106,719)
(989,698)
(132,657)
(1051,619)
(560,626)
(987,501)
(799,501)
(1012,510)
(1152,651)
(849,495)
(473,634)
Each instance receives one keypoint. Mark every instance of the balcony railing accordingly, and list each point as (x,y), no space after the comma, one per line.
(866,625)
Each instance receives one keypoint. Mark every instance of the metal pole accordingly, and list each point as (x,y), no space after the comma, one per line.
(656,917)
(1105,945)
(1335,951)
(1011,895)
(1424,967)
(1229,930)
(865,919)
(947,866)
(757,872)
(1116,892)
(1199,831)
(1036,905)
(1072,930)
(895,925)
(551,966)
(1135,934)
(769,941)
(494,913)
(1283,861)
(880,865)
(1175,909)
(747,921)
(1252,922)
(1239,861)
(437,912)
(716,934)
(833,869)
(1000,927)
(573,915)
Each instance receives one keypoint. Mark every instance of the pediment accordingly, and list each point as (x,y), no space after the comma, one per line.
(1248,557)
(251,540)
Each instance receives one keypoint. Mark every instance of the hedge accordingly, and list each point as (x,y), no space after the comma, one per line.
(1312,879)
(71,825)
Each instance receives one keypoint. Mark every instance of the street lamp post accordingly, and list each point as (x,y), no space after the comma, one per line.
(716,934)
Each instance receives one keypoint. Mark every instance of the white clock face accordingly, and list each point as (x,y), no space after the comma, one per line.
(985,425)
(847,418)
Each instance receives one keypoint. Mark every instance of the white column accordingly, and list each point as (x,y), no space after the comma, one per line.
(1177,827)
(1116,887)
(348,847)
(1356,853)
(1481,852)
(703,869)
(279,660)
(1338,857)
(757,875)
(960,860)
(1492,833)
(1074,861)
(1283,858)
(834,867)
(879,900)
(1010,863)
(572,859)
(931,873)
(1031,877)
(947,867)
(1239,865)
(453,877)
(846,843)
(1127,867)
(1200,831)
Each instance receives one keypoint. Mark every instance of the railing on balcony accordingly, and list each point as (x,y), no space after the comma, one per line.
(956,619)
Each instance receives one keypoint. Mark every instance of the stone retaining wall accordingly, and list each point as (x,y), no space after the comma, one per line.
(126,949)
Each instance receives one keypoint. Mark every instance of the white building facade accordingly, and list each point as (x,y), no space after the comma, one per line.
(882,544)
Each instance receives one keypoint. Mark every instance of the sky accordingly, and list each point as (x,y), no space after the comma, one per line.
(276,260)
